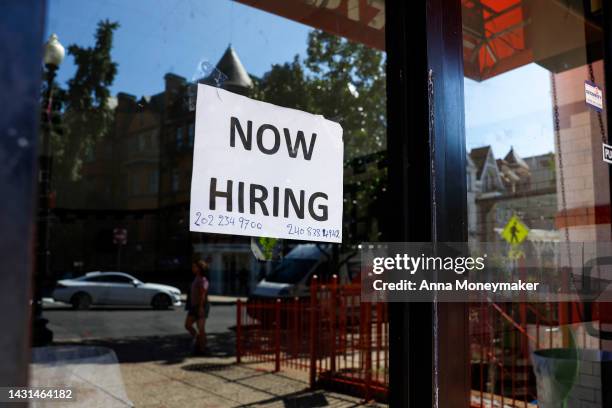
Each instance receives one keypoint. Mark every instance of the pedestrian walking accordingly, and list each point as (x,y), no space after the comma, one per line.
(197,305)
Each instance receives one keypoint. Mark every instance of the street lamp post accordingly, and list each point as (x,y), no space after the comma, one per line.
(53,56)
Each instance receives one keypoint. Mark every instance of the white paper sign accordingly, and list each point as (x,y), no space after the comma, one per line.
(263,170)
(593,95)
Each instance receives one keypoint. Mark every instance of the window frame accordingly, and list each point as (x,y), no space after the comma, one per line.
(427,173)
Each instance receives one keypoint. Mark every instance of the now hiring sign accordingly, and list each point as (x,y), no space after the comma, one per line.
(264,170)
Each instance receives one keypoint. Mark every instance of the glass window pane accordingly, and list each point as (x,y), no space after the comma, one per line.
(534,156)
(122,145)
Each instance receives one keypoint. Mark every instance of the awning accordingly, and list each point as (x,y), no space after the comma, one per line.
(498,35)
(493,37)
(501,35)
(362,21)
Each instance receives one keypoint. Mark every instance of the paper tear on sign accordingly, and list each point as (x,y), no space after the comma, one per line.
(265,171)
(593,96)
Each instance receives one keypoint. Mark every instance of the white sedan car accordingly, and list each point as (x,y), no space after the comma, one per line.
(114,288)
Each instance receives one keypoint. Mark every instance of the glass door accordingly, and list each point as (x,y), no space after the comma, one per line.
(538,181)
(120,128)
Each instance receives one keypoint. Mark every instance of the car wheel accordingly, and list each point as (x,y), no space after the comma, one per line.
(161,301)
(80,301)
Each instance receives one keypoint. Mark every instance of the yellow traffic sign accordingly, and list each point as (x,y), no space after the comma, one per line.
(515,231)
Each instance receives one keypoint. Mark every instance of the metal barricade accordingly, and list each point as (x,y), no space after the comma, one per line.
(338,340)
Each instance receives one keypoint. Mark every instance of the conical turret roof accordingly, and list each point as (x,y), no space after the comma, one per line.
(231,67)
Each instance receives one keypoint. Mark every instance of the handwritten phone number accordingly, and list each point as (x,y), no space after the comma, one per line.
(226,221)
(247,224)
(312,232)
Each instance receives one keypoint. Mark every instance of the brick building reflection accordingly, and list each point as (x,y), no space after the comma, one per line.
(139,179)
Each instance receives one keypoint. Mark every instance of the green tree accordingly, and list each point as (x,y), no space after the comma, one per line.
(345,82)
(286,85)
(339,79)
(85,113)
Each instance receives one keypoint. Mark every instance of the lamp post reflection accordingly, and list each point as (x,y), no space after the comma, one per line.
(54,54)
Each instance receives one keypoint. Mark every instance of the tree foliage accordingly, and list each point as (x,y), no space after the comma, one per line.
(85,111)
(286,85)
(345,82)
(339,79)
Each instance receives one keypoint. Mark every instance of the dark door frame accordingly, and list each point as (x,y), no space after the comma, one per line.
(429,345)
(22,25)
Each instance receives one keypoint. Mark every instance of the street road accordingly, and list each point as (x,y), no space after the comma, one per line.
(109,323)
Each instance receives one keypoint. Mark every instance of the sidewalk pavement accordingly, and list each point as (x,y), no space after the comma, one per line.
(224,300)
(160,372)
(219,299)
(211,382)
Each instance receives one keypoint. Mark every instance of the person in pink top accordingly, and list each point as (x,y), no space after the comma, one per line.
(197,305)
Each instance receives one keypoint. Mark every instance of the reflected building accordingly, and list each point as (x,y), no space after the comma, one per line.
(139,178)
(501,188)
(584,208)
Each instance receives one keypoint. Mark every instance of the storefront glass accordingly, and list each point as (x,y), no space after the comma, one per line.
(535,160)
(122,159)
(120,123)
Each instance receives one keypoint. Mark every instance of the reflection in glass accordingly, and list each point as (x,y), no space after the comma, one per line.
(534,154)
(122,146)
